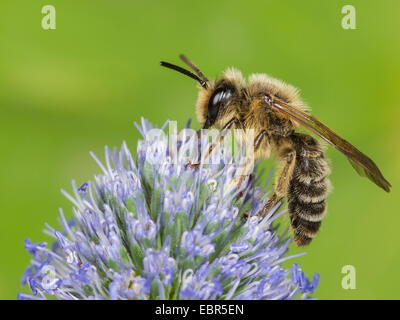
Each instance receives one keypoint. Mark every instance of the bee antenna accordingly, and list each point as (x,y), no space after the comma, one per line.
(193,67)
(168,65)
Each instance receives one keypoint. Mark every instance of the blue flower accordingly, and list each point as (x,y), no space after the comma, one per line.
(154,228)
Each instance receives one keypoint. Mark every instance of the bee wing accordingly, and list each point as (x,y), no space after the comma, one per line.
(360,162)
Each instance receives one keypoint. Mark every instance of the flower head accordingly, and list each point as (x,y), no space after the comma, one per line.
(154,229)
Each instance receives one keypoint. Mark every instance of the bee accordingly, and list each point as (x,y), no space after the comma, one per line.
(275,111)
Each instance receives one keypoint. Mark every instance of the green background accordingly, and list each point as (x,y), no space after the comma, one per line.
(75,89)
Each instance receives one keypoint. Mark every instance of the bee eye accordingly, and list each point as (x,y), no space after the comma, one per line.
(221,97)
(218,99)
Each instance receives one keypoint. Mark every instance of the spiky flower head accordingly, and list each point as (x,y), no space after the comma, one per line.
(154,229)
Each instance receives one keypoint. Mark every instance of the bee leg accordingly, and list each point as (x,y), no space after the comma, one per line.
(288,159)
(220,139)
(193,165)
(243,176)
(221,136)
(190,164)
(249,164)
(257,142)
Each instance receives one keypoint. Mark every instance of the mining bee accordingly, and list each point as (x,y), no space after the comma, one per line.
(274,110)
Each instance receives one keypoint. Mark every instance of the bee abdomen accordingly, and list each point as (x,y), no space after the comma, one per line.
(308,189)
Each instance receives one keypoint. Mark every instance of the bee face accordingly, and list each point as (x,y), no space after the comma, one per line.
(217,100)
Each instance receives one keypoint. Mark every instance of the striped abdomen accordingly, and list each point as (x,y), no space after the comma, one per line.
(308,188)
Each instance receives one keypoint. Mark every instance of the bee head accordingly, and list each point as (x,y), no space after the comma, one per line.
(215,96)
(217,101)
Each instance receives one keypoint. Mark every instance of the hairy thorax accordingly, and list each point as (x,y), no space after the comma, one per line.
(258,116)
